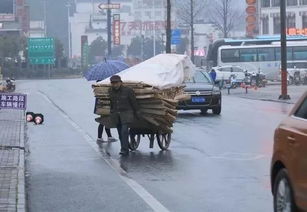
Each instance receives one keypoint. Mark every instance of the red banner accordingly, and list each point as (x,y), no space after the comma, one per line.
(116,29)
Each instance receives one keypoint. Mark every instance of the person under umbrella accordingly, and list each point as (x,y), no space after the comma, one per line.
(100,72)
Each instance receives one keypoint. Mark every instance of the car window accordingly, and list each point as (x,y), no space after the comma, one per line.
(302,111)
(228,69)
(200,77)
(237,69)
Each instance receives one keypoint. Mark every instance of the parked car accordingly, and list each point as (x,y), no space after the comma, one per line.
(297,73)
(204,95)
(224,73)
(289,161)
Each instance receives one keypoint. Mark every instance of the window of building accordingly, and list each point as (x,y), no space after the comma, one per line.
(148,14)
(137,15)
(291,22)
(275,3)
(266,54)
(265,26)
(125,9)
(248,55)
(265,3)
(291,2)
(304,17)
(276,23)
(303,2)
(230,55)
(158,13)
(302,111)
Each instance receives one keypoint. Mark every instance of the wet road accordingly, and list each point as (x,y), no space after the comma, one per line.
(215,163)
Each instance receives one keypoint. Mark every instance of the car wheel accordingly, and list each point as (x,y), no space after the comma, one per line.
(283,193)
(217,110)
(203,111)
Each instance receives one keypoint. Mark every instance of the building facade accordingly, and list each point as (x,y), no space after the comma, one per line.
(14,17)
(269,17)
(37,29)
(144,18)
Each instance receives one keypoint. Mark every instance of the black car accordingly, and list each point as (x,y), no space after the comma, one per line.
(204,95)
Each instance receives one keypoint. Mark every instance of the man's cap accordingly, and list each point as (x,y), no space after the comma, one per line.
(115,78)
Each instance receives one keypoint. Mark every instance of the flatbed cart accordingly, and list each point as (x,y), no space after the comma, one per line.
(140,129)
(163,138)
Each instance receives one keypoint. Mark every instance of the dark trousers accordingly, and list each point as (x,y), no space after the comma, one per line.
(123,133)
(100,131)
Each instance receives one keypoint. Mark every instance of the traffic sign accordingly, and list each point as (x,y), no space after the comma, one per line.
(176,37)
(41,51)
(103,6)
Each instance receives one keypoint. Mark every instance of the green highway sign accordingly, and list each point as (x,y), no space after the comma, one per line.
(41,51)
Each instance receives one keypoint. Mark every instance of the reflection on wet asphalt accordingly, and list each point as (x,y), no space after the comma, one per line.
(214,163)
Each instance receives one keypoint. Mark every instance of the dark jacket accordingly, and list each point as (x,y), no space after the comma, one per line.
(124,106)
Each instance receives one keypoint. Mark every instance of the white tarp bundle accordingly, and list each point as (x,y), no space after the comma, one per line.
(162,71)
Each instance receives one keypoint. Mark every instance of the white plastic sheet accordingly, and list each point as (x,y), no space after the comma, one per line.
(162,71)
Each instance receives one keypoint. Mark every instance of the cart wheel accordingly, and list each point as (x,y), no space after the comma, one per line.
(134,141)
(151,138)
(164,140)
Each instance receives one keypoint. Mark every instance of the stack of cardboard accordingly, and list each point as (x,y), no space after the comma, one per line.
(158,107)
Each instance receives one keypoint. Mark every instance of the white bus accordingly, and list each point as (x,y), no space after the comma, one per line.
(257,54)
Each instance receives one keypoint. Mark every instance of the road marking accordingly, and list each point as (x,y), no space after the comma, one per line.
(114,164)
(239,156)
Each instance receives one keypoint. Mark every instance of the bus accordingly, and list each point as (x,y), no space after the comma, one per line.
(258,55)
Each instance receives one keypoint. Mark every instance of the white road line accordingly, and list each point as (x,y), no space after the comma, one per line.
(114,164)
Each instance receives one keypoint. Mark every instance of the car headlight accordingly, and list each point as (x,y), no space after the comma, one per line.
(216,92)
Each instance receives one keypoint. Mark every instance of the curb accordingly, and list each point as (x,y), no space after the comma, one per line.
(268,100)
(21,195)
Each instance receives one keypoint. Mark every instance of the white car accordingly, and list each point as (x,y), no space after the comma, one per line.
(224,73)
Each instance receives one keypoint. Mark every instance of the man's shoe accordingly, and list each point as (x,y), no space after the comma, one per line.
(100,140)
(111,139)
(124,153)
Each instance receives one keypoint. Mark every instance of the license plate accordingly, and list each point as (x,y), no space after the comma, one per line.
(198,99)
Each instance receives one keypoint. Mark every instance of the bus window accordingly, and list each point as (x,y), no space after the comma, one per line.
(248,55)
(289,54)
(230,55)
(300,53)
(266,54)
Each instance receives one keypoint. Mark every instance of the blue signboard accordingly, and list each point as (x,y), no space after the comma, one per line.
(13,101)
(176,36)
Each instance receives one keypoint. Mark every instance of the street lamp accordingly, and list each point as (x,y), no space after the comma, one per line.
(154,31)
(283,39)
(68,5)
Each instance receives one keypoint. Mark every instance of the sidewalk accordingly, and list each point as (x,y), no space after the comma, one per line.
(12,157)
(269,93)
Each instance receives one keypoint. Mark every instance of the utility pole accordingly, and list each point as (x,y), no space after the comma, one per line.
(109,29)
(283,39)
(45,17)
(192,30)
(168,27)
(68,5)
(154,31)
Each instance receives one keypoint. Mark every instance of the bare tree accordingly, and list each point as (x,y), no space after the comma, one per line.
(224,16)
(168,26)
(188,11)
